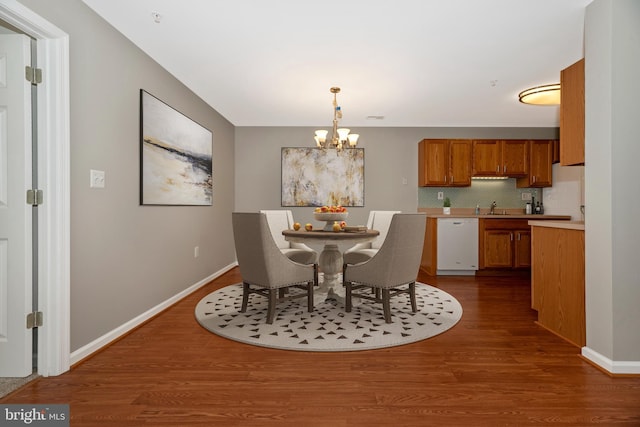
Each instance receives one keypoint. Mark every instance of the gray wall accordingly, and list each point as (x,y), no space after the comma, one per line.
(612,65)
(391,154)
(126,258)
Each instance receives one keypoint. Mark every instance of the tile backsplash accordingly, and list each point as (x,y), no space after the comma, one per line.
(481,192)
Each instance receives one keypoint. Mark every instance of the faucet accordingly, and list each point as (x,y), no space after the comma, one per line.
(493,207)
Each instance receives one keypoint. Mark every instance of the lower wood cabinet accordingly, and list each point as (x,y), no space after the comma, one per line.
(505,243)
(558,281)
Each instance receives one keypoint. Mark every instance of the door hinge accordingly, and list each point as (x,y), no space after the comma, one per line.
(34,197)
(33,75)
(34,319)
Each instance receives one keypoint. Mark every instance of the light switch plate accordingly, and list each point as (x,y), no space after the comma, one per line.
(526,196)
(96,179)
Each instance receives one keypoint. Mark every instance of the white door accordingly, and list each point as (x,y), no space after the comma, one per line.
(15,214)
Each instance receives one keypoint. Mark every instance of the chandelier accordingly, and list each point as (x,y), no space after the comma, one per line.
(340,138)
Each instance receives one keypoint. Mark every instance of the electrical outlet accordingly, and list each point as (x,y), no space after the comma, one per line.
(526,196)
(96,179)
(404,181)
(196,252)
(440,195)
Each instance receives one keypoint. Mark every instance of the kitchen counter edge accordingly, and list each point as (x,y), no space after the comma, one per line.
(569,225)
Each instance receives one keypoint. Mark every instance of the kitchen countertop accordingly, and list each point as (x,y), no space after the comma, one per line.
(570,225)
(504,216)
(501,213)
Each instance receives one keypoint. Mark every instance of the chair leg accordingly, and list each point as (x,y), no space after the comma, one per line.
(347,297)
(386,305)
(271,310)
(412,296)
(245,297)
(310,286)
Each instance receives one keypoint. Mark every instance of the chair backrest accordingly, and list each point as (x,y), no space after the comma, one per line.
(260,260)
(398,259)
(380,220)
(279,220)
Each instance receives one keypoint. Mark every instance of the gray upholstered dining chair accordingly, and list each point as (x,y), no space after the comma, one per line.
(279,220)
(393,269)
(264,268)
(378,220)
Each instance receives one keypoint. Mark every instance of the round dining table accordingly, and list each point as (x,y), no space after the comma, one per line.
(330,259)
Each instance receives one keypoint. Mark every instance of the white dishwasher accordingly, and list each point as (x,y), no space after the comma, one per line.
(457,246)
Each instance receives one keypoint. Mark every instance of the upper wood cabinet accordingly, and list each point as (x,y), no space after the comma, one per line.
(572,115)
(500,158)
(444,163)
(540,159)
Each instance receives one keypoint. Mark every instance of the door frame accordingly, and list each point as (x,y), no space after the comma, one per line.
(54,159)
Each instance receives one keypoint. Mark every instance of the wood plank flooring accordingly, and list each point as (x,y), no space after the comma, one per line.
(494,368)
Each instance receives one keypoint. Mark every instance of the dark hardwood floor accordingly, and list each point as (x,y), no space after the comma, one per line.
(494,368)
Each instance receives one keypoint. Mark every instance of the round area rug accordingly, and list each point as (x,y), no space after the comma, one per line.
(328,327)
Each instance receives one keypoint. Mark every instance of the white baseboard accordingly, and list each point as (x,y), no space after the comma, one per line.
(612,366)
(109,337)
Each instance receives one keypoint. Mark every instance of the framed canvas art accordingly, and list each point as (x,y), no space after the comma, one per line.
(176,162)
(317,177)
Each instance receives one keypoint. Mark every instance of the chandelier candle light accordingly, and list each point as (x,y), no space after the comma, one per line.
(340,138)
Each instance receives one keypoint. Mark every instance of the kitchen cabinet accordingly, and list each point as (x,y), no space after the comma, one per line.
(444,163)
(505,244)
(540,160)
(572,115)
(500,158)
(558,279)
(429,260)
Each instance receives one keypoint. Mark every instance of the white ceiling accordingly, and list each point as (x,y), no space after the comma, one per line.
(416,62)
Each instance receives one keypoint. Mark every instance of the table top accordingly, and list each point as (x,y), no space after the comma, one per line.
(329,235)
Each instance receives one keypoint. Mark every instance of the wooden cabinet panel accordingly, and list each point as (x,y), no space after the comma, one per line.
(497,249)
(500,157)
(557,281)
(504,244)
(522,249)
(432,162)
(540,161)
(429,261)
(444,163)
(572,115)
(486,158)
(515,157)
(460,162)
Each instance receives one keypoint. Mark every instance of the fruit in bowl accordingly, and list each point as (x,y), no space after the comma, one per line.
(330,216)
(330,213)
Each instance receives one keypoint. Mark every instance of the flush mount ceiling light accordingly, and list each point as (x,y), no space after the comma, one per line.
(340,138)
(541,95)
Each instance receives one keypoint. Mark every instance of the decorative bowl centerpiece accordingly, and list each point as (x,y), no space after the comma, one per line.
(330,214)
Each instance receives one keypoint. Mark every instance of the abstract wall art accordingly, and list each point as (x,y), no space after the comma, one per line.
(317,177)
(176,156)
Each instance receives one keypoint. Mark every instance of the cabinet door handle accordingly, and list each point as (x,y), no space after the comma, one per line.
(504,169)
(519,235)
(452,181)
(511,234)
(534,179)
(445,179)
(498,169)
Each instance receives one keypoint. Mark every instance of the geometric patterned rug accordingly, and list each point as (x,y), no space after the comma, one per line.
(328,327)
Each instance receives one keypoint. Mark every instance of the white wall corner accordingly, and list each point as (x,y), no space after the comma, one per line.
(611,366)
